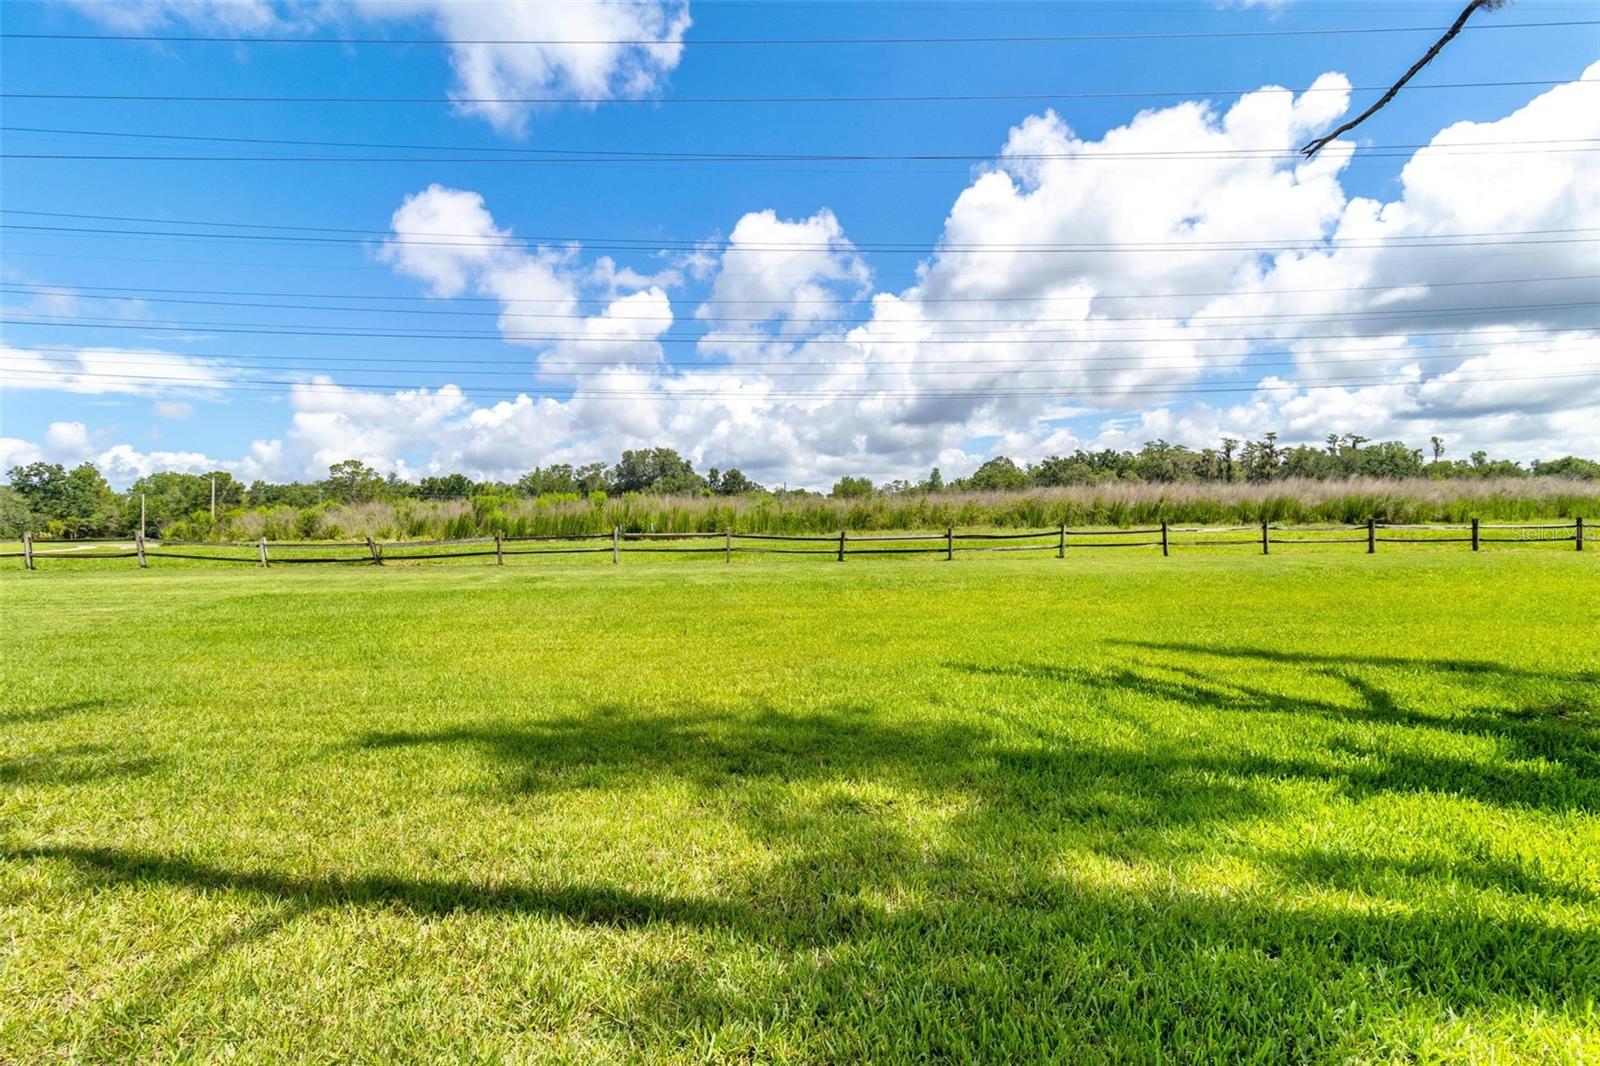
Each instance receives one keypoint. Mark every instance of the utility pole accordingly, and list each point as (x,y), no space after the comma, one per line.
(141,516)
(213,497)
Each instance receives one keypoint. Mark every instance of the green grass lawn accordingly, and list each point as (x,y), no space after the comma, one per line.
(1318,807)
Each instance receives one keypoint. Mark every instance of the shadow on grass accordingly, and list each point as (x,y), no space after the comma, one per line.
(615,745)
(1545,726)
(590,904)
(1104,973)
(1373,874)
(1497,672)
(54,711)
(1004,932)
(1108,798)
(75,764)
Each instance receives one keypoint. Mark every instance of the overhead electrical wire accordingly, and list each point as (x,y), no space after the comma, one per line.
(897,368)
(1089,155)
(1381,312)
(265,329)
(42,288)
(387,271)
(1444,240)
(514,240)
(1091,94)
(448,365)
(550,42)
(260,384)
(655,160)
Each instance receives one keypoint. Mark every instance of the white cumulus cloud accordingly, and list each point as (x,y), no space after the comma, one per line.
(1082,293)
(503,54)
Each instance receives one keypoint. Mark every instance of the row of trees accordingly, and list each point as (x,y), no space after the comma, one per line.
(1264,460)
(47,497)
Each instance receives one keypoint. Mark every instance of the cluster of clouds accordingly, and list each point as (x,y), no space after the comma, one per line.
(582,49)
(1083,293)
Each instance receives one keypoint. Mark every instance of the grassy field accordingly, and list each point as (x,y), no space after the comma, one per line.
(1319,807)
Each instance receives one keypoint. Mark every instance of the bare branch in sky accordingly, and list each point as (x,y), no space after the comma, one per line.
(1317,145)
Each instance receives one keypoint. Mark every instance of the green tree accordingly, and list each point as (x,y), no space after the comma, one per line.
(1161,461)
(660,470)
(42,486)
(731,483)
(1059,470)
(1569,466)
(851,488)
(593,478)
(1308,462)
(448,487)
(1388,459)
(88,506)
(550,480)
(167,496)
(292,494)
(15,517)
(1228,446)
(353,481)
(998,473)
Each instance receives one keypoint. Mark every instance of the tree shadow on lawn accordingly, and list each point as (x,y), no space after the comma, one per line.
(1528,715)
(945,942)
(74,764)
(748,763)
(1065,968)
(51,712)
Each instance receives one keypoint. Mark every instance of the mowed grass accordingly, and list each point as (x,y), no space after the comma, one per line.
(1113,808)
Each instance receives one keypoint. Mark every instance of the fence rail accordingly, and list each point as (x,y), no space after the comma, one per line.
(842,545)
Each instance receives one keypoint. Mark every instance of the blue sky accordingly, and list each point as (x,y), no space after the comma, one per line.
(934,372)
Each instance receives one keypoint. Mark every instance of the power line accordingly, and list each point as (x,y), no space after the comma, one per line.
(1117,94)
(915,368)
(1031,38)
(447,366)
(1042,275)
(1420,240)
(514,240)
(652,161)
(1490,345)
(41,288)
(259,384)
(268,330)
(1091,153)
(1381,312)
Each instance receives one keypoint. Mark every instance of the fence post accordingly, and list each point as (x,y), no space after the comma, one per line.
(1061,542)
(727,545)
(1578,534)
(1265,550)
(949,543)
(1163,538)
(616,545)
(499,551)
(138,546)
(841,545)
(262,544)
(1372,535)
(27,551)
(1474,534)
(377,553)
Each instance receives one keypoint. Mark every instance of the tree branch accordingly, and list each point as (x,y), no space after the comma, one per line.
(1319,143)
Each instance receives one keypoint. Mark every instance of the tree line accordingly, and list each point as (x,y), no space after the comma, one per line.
(78,502)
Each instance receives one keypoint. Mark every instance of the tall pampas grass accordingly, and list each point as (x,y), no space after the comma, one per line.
(1116,504)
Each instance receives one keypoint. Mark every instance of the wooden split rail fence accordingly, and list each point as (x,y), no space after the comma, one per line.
(1060,540)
